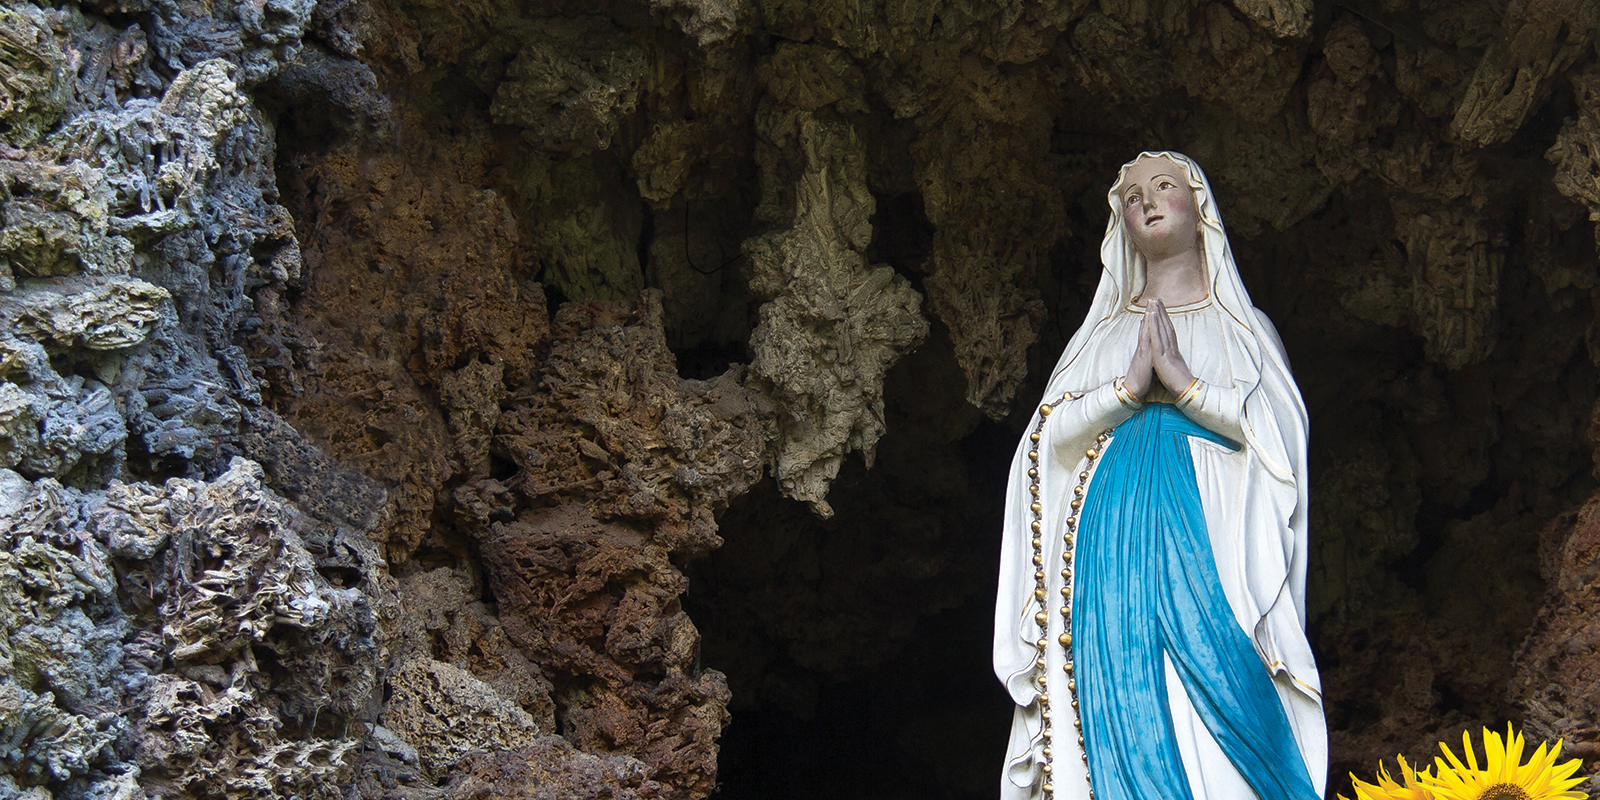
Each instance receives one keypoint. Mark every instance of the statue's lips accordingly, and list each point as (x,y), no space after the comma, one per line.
(1148,221)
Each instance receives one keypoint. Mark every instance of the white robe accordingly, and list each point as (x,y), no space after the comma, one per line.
(1253,505)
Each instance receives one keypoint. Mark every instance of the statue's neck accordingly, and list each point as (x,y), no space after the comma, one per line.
(1175,280)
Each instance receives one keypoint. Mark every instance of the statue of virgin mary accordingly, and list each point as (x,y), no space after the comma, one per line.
(1150,620)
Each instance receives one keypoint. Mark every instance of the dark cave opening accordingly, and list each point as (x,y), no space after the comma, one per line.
(858,648)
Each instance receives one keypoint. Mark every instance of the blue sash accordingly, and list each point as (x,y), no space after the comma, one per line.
(1147,584)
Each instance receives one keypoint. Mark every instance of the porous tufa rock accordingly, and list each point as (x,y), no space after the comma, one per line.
(664,453)
(182,133)
(61,634)
(994,216)
(249,628)
(709,22)
(832,325)
(1455,283)
(57,220)
(95,313)
(189,606)
(446,621)
(1539,40)
(552,768)
(600,601)
(46,743)
(35,82)
(1287,19)
(446,713)
(571,84)
(49,425)
(1576,152)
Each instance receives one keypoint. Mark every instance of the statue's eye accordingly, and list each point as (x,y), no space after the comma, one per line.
(1132,198)
(1167,185)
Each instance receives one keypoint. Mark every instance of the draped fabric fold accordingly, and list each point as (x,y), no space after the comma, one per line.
(1150,593)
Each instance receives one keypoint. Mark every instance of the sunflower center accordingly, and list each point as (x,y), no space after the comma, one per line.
(1503,791)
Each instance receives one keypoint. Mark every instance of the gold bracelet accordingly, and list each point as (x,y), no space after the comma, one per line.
(1125,395)
(1188,395)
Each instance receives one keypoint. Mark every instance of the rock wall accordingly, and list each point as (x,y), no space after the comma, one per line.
(384,386)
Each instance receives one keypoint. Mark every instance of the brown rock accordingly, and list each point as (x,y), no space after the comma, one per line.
(552,769)
(1557,680)
(599,602)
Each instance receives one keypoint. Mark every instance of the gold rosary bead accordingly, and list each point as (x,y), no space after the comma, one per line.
(1033,437)
(1091,453)
(1078,489)
(1033,473)
(1080,744)
(1072,522)
(1065,639)
(1044,410)
(1042,618)
(1038,594)
(1045,714)
(1064,591)
(1076,504)
(1042,682)
(1033,455)
(1066,611)
(1036,508)
(1048,788)
(1103,437)
(1038,574)
(1036,543)
(1072,686)
(1074,704)
(1077,723)
(1066,573)
(1083,476)
(1039,662)
(1047,751)
(1038,560)
(1034,489)
(1041,644)
(1067,667)
(1036,526)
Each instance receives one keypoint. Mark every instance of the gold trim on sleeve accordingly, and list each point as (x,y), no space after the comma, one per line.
(1188,395)
(1126,396)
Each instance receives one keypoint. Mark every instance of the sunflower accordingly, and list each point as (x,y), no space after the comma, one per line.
(1387,789)
(1504,776)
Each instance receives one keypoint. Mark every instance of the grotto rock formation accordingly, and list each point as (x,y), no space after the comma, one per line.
(832,325)
(190,639)
(384,386)
(1555,678)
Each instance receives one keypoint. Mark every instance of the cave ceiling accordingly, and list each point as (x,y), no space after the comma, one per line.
(612,399)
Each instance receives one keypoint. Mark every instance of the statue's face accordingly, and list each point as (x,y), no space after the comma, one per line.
(1158,209)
